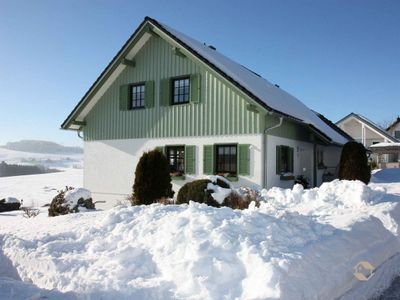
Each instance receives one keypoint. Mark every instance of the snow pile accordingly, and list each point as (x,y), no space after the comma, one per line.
(219,193)
(72,196)
(299,244)
(386,175)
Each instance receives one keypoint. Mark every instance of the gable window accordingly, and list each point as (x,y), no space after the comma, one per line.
(226,159)
(180,90)
(284,159)
(397,134)
(137,96)
(176,159)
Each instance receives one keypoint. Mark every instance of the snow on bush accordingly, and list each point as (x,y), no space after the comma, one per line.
(299,244)
(9,204)
(11,200)
(71,200)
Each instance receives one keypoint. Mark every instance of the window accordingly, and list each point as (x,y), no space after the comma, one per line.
(180,90)
(137,96)
(284,159)
(397,134)
(226,159)
(176,158)
(320,159)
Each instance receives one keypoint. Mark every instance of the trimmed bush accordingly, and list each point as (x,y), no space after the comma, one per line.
(354,163)
(241,198)
(64,203)
(197,191)
(152,179)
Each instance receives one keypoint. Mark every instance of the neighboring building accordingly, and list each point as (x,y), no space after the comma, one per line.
(394,129)
(368,133)
(364,131)
(209,114)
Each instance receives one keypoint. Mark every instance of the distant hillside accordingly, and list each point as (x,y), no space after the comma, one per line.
(35,146)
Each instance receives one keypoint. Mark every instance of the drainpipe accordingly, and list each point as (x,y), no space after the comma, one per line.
(265,144)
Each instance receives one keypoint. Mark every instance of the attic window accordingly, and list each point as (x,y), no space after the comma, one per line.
(137,95)
(180,90)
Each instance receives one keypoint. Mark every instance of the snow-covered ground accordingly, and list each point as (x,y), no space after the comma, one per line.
(59,161)
(38,190)
(299,244)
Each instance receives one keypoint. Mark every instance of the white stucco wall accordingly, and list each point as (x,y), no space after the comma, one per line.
(110,164)
(302,160)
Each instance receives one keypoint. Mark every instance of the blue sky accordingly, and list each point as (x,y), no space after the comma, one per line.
(335,56)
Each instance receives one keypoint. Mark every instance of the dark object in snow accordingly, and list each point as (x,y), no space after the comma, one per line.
(303,181)
(197,191)
(59,205)
(30,212)
(152,179)
(6,206)
(354,163)
(241,201)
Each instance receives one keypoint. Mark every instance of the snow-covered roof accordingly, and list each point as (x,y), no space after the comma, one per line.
(272,96)
(378,145)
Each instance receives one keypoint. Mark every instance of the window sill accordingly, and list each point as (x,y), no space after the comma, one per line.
(286,177)
(175,178)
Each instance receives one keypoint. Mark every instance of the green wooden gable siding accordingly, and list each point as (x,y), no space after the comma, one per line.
(292,130)
(219,111)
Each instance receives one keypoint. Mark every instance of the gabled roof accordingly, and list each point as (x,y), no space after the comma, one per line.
(369,123)
(397,121)
(261,91)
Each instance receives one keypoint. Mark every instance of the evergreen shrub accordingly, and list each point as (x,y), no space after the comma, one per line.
(152,179)
(354,163)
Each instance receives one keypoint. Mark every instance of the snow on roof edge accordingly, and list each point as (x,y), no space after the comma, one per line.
(272,96)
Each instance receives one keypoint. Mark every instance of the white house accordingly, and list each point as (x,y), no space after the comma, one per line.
(209,114)
(394,129)
(372,136)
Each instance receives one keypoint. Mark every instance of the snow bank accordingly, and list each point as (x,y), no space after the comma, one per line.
(299,244)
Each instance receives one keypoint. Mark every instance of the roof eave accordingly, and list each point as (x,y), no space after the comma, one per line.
(100,79)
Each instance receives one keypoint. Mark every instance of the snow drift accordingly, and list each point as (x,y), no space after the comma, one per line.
(299,244)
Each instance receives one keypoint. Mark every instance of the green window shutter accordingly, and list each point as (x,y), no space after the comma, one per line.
(195,88)
(278,160)
(165,92)
(208,159)
(124,97)
(149,94)
(291,159)
(190,159)
(161,149)
(244,159)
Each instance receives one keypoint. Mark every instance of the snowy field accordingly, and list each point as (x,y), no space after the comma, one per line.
(299,244)
(59,161)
